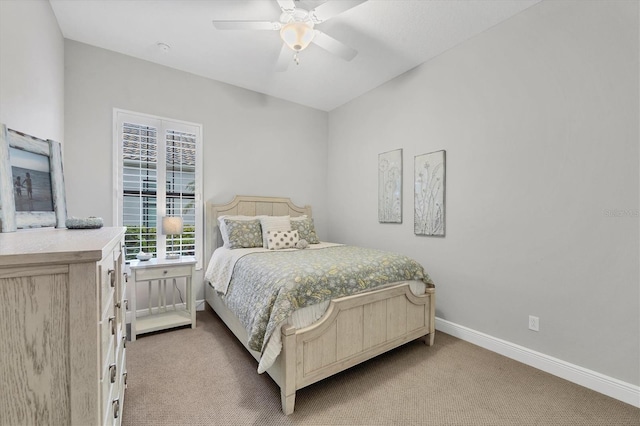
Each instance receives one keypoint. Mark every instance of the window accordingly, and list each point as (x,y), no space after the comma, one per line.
(158,173)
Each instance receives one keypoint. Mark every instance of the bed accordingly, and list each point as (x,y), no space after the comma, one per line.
(331,336)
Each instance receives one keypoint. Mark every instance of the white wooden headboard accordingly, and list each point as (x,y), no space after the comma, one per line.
(245,205)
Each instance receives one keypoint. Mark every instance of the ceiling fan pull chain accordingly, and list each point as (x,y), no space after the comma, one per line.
(296,59)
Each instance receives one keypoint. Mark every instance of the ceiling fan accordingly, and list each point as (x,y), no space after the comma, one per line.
(296,26)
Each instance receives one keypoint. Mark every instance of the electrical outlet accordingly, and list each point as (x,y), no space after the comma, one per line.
(534,323)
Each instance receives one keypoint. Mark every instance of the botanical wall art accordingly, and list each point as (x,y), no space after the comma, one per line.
(390,187)
(31,182)
(429,196)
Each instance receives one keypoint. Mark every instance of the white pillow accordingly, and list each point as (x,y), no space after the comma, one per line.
(223,227)
(277,240)
(274,223)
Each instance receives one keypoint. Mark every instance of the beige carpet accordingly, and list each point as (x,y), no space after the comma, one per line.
(206,377)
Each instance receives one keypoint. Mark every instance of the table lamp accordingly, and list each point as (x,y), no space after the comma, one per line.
(172,225)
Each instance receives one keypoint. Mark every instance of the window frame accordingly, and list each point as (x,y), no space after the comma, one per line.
(161,124)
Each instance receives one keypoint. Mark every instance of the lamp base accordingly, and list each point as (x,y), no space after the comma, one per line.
(172,256)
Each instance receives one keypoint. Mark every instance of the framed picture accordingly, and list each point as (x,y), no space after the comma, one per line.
(390,187)
(429,194)
(31,182)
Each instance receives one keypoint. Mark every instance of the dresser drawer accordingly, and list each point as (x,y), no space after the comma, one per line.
(108,271)
(112,407)
(122,384)
(112,390)
(120,350)
(105,390)
(123,373)
(121,311)
(160,273)
(109,387)
(108,334)
(117,252)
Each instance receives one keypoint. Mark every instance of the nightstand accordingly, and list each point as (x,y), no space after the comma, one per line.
(156,274)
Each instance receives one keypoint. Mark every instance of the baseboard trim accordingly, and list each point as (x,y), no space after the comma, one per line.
(145,311)
(622,391)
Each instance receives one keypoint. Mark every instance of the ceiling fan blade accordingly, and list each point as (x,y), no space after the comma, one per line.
(247,25)
(287,5)
(284,59)
(334,46)
(332,8)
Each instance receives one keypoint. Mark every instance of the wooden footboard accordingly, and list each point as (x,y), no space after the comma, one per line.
(354,329)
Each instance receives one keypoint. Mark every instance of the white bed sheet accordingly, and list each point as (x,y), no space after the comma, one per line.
(219,273)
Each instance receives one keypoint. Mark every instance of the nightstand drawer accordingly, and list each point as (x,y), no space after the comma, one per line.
(160,273)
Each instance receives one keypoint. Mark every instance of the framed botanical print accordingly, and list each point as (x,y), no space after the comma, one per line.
(429,194)
(390,187)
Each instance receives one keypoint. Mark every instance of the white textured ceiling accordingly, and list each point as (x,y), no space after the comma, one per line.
(391,37)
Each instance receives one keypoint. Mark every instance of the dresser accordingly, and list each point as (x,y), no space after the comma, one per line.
(62,327)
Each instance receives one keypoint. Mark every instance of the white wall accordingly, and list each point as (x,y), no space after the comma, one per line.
(31,69)
(539,118)
(253,144)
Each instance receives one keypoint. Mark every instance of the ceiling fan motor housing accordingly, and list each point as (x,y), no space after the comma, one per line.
(297,29)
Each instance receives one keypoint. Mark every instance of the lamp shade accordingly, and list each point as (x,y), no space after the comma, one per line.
(297,35)
(171,225)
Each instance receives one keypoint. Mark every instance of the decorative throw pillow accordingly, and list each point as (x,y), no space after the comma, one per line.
(223,228)
(273,223)
(306,229)
(277,240)
(243,233)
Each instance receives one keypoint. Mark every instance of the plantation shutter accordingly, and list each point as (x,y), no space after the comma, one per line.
(139,187)
(181,191)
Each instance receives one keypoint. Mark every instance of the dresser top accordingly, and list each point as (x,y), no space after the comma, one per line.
(51,245)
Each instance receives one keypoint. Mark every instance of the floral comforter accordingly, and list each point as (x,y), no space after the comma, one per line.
(267,287)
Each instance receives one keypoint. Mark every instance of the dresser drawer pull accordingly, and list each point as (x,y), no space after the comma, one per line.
(126,277)
(112,323)
(126,304)
(116,408)
(125,379)
(165,272)
(124,342)
(112,277)
(118,305)
(112,373)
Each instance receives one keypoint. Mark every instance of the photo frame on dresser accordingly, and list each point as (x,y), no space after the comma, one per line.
(32,191)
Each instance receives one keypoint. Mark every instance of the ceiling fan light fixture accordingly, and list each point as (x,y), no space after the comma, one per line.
(297,35)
